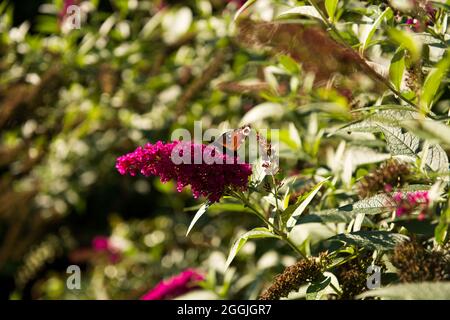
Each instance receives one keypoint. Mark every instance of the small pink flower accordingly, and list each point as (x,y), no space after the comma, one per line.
(413,23)
(100,243)
(175,286)
(398,197)
(400,211)
(388,188)
(411,201)
(103,244)
(422,216)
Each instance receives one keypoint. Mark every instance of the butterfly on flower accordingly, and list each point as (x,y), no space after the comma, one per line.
(231,141)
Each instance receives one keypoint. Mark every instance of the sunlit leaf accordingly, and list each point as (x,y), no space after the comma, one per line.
(262,111)
(197,216)
(309,11)
(314,289)
(401,142)
(412,291)
(397,68)
(407,41)
(433,81)
(331,6)
(256,233)
(289,64)
(371,31)
(301,206)
(375,240)
(441,230)
(243,8)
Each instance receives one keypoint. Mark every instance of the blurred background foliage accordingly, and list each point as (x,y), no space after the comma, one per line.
(73,100)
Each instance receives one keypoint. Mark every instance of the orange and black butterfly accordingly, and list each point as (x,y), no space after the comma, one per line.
(232,140)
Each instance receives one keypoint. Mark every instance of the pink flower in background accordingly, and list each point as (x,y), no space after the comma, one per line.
(413,23)
(406,203)
(388,188)
(175,286)
(100,243)
(206,178)
(104,244)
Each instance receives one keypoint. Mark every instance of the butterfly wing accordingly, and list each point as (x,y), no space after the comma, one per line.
(232,140)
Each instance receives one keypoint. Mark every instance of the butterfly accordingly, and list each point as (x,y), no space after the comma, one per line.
(231,141)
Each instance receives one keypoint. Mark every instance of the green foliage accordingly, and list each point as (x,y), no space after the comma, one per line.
(347,84)
(256,233)
(412,291)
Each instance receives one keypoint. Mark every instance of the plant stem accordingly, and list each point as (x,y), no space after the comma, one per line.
(275,194)
(292,245)
(277,231)
(325,20)
(338,292)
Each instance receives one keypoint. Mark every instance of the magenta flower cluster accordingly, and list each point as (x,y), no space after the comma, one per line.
(175,286)
(208,179)
(406,203)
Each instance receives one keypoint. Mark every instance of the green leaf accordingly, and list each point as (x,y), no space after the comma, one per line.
(298,208)
(436,159)
(197,216)
(47,24)
(176,23)
(312,293)
(149,28)
(397,68)
(252,234)
(332,216)
(433,81)
(289,64)
(412,291)
(327,107)
(243,7)
(363,155)
(371,31)
(262,111)
(406,40)
(330,6)
(309,11)
(400,141)
(441,231)
(3,6)
(359,220)
(376,240)
(228,207)
(373,205)
(377,204)
(429,129)
(414,188)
